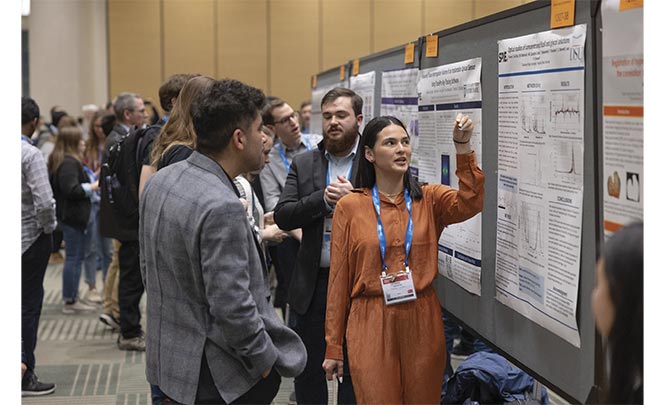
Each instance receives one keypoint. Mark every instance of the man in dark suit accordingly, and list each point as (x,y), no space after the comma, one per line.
(130,114)
(213,336)
(316,181)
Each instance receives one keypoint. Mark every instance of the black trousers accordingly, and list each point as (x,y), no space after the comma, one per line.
(33,263)
(57,240)
(284,259)
(311,384)
(261,393)
(130,289)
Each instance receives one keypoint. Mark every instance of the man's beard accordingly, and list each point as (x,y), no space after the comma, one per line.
(342,144)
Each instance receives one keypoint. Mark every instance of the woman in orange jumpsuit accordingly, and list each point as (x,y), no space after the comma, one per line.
(383,262)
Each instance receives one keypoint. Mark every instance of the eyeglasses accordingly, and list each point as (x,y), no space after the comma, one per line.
(288,118)
(141,111)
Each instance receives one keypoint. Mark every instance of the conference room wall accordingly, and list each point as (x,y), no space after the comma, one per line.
(89,51)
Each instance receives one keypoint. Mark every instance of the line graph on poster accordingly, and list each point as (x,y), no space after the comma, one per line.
(533,115)
(530,166)
(567,161)
(565,114)
(531,226)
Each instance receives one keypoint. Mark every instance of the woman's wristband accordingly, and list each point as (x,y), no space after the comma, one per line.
(461,143)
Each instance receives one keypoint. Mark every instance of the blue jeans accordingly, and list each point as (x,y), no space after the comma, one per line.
(157,396)
(98,250)
(452,331)
(90,255)
(75,249)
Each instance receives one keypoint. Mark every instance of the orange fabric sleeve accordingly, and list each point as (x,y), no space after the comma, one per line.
(339,287)
(453,206)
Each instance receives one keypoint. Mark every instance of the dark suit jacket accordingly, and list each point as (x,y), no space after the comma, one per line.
(207,287)
(107,226)
(301,205)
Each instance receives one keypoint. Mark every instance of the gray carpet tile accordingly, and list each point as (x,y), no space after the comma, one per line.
(80,355)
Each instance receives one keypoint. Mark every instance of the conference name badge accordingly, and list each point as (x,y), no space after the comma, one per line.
(398,287)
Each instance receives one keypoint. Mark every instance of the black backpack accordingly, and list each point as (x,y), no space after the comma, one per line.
(120,176)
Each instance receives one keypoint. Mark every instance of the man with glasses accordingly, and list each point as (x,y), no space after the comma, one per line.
(280,118)
(318,180)
(130,114)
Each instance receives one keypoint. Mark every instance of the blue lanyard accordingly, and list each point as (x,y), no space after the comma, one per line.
(327,181)
(26,139)
(283,156)
(380,227)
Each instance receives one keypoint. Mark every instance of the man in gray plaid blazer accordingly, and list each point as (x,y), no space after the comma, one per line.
(212,334)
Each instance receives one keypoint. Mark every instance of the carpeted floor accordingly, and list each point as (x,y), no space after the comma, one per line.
(80,355)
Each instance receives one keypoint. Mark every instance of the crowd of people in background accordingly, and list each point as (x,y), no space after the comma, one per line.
(235,222)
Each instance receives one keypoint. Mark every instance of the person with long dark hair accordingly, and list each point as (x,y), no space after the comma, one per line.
(72,190)
(617,304)
(384,258)
(100,246)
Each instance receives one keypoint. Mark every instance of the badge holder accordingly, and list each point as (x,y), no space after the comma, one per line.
(398,287)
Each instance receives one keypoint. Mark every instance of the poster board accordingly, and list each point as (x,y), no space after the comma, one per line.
(568,370)
(565,368)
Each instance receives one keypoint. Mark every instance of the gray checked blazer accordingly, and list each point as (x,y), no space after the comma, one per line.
(207,289)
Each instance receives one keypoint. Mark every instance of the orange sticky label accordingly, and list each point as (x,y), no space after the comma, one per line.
(629,4)
(342,73)
(432,46)
(563,13)
(314,80)
(612,226)
(409,53)
(623,111)
(355,67)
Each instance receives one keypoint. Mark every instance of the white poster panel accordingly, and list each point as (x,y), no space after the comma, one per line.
(540,176)
(399,98)
(364,86)
(622,115)
(443,92)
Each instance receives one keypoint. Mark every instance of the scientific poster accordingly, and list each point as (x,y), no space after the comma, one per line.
(316,122)
(443,92)
(399,98)
(364,85)
(622,115)
(540,177)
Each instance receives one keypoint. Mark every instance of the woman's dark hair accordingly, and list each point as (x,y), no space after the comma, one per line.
(366,174)
(108,123)
(623,259)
